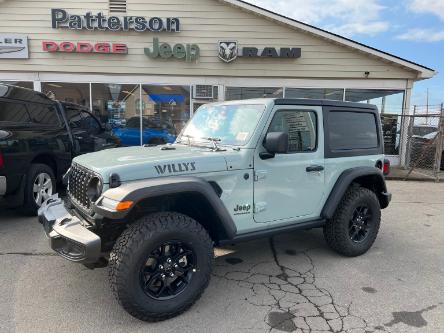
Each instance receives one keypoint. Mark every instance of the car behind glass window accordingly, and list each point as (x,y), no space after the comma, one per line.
(13,112)
(301,127)
(352,130)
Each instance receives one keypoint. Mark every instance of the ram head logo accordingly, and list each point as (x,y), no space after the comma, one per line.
(228,51)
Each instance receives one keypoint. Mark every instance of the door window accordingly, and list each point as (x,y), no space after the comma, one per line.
(83,121)
(301,127)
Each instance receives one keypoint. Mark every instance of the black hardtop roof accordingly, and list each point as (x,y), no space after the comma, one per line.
(23,94)
(324,102)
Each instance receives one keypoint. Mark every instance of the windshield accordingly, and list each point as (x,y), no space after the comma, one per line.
(226,124)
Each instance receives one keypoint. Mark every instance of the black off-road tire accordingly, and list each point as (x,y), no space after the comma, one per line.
(336,231)
(135,245)
(30,207)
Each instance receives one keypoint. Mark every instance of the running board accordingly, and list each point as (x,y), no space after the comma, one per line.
(273,231)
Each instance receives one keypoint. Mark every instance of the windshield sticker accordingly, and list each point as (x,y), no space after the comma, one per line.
(175,168)
(242,136)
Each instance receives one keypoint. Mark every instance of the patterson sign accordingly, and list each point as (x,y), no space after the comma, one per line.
(62,19)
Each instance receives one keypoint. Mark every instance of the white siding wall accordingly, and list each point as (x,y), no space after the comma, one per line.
(203,22)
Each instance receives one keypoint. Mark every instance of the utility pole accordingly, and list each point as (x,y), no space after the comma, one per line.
(439,144)
(427,102)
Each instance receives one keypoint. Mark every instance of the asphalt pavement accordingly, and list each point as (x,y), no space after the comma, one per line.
(290,283)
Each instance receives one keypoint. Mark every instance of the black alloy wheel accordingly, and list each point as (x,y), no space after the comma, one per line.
(360,224)
(160,265)
(355,225)
(168,270)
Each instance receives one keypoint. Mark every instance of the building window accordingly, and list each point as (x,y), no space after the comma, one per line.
(239,93)
(315,93)
(387,101)
(22,84)
(165,111)
(119,106)
(77,93)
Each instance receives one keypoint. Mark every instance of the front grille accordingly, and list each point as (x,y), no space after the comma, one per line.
(79,178)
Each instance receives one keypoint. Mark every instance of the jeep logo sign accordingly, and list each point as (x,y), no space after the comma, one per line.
(13,46)
(187,52)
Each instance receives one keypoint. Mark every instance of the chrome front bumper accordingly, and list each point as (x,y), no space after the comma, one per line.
(68,234)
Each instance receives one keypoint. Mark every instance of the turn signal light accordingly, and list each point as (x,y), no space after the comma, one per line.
(124,205)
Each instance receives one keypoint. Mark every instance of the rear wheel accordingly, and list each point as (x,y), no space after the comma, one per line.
(355,225)
(160,266)
(40,186)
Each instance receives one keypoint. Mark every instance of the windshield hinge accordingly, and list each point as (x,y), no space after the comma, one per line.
(260,174)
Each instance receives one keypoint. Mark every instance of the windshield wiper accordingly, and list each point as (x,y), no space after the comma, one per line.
(186,136)
(214,141)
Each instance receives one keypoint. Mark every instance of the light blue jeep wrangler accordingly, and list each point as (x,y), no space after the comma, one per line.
(238,171)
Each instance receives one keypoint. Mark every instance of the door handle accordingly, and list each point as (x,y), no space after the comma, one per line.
(315,168)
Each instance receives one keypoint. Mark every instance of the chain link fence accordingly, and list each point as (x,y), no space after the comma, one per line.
(423,142)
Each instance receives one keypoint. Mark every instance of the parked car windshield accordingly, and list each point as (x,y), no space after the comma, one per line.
(225,124)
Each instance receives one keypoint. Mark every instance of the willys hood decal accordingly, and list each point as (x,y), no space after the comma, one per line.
(135,163)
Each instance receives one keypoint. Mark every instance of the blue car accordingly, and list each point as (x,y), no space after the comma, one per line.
(153,133)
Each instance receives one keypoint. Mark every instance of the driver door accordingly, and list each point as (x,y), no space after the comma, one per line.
(291,186)
(85,130)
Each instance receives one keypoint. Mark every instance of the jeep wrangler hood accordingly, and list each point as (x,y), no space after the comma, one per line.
(135,163)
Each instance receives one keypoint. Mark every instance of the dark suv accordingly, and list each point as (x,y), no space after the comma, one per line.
(38,139)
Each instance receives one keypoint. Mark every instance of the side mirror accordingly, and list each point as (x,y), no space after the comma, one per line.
(275,143)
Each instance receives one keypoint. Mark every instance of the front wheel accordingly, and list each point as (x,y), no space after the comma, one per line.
(355,225)
(40,186)
(160,266)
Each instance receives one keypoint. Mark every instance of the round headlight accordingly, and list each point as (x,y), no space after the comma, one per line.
(94,190)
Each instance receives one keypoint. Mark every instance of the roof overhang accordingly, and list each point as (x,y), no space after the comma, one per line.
(423,72)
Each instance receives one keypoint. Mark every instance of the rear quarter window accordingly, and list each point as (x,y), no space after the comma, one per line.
(352,130)
(44,114)
(13,112)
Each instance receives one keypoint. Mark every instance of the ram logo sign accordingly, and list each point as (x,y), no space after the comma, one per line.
(228,51)
(13,46)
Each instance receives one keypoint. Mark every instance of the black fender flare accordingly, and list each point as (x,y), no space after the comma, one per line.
(354,175)
(151,188)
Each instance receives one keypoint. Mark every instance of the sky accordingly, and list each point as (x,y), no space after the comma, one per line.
(411,29)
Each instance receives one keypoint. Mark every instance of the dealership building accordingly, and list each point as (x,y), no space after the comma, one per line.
(153,63)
